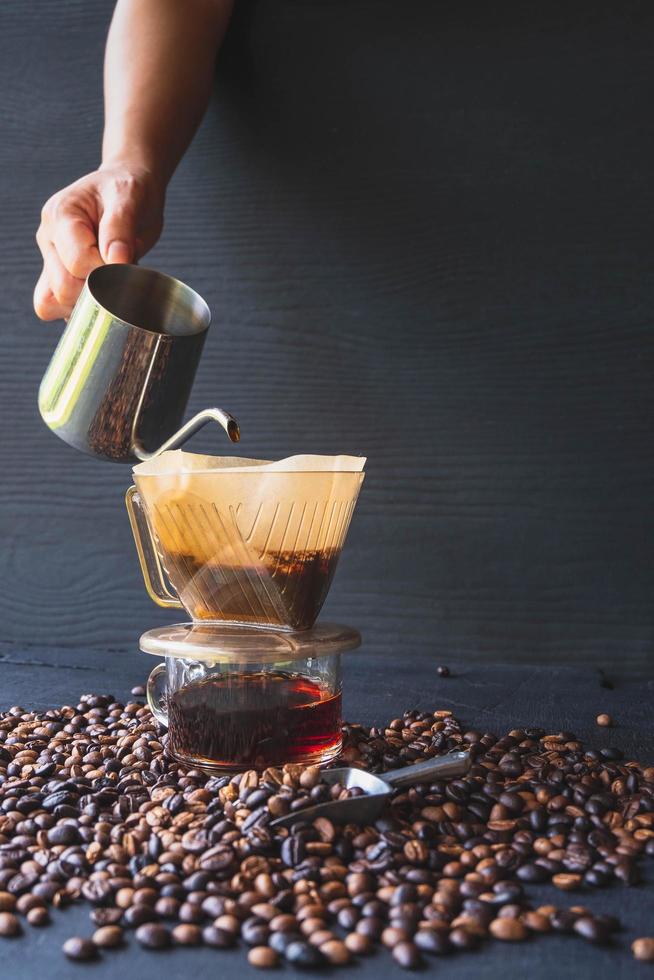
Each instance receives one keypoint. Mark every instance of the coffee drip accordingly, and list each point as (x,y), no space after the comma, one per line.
(297,582)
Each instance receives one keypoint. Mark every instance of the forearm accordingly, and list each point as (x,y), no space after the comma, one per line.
(159,67)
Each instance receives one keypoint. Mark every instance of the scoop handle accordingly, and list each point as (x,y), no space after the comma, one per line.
(440,767)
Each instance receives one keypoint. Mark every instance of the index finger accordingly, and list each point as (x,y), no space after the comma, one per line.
(75,241)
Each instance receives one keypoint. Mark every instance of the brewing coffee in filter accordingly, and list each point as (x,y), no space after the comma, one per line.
(245,541)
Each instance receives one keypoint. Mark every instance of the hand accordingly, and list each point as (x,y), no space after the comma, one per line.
(112,215)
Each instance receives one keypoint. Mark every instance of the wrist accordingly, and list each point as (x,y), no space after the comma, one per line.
(138,164)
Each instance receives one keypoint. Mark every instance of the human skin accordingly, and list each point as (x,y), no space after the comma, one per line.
(158,71)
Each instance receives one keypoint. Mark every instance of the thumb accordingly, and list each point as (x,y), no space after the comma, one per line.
(117,233)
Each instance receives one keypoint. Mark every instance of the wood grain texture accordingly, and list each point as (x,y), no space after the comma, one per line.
(425,237)
(489,698)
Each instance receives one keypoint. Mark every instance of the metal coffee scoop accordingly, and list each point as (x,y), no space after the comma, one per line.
(377,789)
(120,378)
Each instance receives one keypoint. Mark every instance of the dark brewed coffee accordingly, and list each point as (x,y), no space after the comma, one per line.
(287,588)
(254,720)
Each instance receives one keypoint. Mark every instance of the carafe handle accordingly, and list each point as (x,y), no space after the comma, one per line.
(156,694)
(157,587)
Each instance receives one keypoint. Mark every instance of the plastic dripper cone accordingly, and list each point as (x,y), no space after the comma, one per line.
(247,541)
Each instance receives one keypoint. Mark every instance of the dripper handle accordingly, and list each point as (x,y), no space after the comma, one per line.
(440,767)
(153,574)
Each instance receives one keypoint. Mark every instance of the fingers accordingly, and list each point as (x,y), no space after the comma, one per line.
(109,216)
(117,231)
(68,244)
(74,239)
(57,290)
(45,303)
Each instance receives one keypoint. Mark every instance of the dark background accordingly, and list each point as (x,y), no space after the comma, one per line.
(425,233)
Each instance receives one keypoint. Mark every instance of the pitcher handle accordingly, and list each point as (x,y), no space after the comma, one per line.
(153,574)
(155,694)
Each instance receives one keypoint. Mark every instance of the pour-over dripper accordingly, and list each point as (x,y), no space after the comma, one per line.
(243,541)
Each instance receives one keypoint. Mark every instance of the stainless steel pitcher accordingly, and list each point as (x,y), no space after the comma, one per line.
(120,378)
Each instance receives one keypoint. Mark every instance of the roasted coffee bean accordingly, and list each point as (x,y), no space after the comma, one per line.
(371,927)
(106,916)
(153,935)
(591,929)
(168,908)
(509,912)
(64,833)
(566,882)
(254,932)
(610,922)
(407,955)
(38,916)
(562,921)
(97,892)
(186,934)
(188,912)
(230,923)
(138,915)
(537,922)
(348,917)
(218,938)
(80,949)
(627,873)
(108,937)
(7,902)
(279,941)
(335,952)
(19,884)
(293,851)
(532,873)
(27,902)
(262,957)
(304,955)
(433,941)
(443,671)
(358,944)
(598,877)
(392,935)
(643,949)
(462,939)
(508,929)
(9,924)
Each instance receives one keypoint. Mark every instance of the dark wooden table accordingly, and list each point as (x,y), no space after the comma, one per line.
(377,688)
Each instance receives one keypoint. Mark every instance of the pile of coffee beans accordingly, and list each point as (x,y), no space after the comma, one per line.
(93,810)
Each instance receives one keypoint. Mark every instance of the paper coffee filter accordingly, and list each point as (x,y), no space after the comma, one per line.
(237,533)
(179,462)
